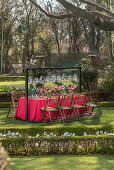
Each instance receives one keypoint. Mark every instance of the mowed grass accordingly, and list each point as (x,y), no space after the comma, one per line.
(19,84)
(78,162)
(106,119)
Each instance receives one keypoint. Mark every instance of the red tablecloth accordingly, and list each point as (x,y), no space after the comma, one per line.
(34,112)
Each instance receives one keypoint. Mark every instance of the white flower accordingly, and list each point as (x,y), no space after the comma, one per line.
(73,134)
(1,134)
(37,135)
(65,134)
(4,135)
(54,135)
(51,134)
(9,132)
(17,133)
(97,133)
(70,134)
(85,134)
(101,132)
(105,133)
(45,133)
(13,133)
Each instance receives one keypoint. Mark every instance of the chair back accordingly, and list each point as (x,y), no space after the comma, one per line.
(67,100)
(80,99)
(54,101)
(17,94)
(93,97)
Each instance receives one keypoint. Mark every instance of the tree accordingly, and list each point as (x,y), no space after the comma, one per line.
(6,24)
(97,17)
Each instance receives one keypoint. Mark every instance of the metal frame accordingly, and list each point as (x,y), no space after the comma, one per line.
(45,68)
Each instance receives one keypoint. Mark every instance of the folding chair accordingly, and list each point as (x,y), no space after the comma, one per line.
(80,105)
(66,107)
(93,103)
(50,109)
(15,95)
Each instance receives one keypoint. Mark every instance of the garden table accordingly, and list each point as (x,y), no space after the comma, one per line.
(34,106)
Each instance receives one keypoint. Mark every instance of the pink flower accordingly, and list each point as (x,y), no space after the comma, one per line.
(41,90)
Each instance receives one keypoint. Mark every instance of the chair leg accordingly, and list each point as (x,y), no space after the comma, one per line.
(100,111)
(61,116)
(50,117)
(9,110)
(42,116)
(76,113)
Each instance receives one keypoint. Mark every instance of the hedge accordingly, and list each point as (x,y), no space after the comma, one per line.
(57,130)
(5,104)
(106,104)
(59,145)
(12,78)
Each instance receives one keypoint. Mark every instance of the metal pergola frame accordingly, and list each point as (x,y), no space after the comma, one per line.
(44,68)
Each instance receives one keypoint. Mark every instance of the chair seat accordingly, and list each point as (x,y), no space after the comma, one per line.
(66,107)
(49,109)
(78,106)
(92,105)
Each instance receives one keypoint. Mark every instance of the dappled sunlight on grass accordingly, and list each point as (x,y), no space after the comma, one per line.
(13,83)
(95,162)
(107,118)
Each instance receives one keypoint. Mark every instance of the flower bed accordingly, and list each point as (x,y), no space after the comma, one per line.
(59,145)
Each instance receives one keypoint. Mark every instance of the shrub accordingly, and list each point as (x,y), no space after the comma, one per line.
(87,75)
(79,130)
(10,89)
(106,104)
(107,84)
(59,145)
(12,78)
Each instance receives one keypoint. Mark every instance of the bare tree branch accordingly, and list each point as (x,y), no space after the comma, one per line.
(52,15)
(97,19)
(100,15)
(99,7)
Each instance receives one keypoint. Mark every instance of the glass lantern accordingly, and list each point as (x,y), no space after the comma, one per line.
(36,80)
(54,78)
(75,77)
(69,78)
(30,80)
(47,79)
(59,78)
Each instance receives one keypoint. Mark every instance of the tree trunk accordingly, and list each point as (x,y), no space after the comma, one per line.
(94,65)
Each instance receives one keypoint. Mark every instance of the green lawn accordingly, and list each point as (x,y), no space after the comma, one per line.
(106,119)
(78,162)
(20,84)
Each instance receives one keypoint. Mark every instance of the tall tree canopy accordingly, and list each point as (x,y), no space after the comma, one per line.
(101,17)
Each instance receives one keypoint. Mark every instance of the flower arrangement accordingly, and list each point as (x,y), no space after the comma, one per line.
(73,89)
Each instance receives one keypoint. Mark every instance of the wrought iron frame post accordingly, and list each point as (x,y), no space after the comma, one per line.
(51,68)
